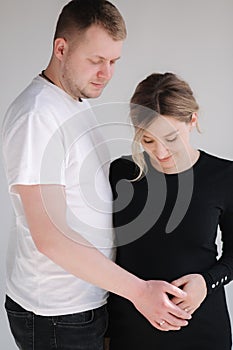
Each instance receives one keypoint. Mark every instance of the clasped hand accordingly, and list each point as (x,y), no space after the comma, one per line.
(154,303)
(168,306)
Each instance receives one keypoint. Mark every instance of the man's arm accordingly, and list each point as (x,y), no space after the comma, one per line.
(45,211)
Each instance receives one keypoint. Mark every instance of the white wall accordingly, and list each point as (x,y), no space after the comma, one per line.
(190,38)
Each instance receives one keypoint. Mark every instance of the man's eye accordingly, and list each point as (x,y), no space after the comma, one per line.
(147,141)
(94,62)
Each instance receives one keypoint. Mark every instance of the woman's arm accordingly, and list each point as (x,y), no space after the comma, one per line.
(198,286)
(221,273)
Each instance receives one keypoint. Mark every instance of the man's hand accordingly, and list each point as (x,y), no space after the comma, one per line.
(159,310)
(195,287)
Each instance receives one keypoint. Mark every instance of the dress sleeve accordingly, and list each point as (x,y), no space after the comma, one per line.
(221,273)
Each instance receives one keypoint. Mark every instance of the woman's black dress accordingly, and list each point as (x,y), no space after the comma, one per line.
(166,227)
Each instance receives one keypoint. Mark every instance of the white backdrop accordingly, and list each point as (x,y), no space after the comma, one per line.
(190,38)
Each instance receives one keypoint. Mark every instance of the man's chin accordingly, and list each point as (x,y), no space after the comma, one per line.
(93,94)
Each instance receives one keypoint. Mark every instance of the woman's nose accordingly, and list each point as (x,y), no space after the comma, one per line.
(160,150)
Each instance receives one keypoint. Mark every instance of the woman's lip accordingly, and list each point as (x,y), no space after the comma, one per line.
(164,159)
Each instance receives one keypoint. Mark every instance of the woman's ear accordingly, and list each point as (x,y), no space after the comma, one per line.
(194,120)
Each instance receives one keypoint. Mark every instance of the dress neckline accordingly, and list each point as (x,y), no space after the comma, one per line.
(193,167)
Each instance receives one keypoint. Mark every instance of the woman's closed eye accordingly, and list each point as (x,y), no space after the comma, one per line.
(147,141)
(172,140)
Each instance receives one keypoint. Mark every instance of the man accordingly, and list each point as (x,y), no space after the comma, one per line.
(53,152)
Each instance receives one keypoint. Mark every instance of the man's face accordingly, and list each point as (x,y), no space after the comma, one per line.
(85,69)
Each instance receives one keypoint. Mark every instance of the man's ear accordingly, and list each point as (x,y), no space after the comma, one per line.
(60,47)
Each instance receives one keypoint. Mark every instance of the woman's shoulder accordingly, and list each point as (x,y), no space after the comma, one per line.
(216,160)
(216,165)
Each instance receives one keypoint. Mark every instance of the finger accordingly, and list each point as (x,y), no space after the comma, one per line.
(176,322)
(187,308)
(165,326)
(177,292)
(168,327)
(178,312)
(180,281)
(182,304)
(176,300)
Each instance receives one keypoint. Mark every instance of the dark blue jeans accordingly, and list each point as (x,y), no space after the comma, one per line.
(80,331)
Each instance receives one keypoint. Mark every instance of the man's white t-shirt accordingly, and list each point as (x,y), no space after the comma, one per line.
(50,138)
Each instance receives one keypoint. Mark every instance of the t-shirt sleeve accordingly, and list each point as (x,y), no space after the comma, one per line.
(33,152)
(221,273)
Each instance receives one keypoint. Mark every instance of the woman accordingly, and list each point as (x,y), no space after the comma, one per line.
(170,200)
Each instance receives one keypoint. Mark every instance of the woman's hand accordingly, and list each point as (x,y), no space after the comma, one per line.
(155,305)
(195,287)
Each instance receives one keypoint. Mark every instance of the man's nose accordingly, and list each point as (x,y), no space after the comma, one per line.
(106,71)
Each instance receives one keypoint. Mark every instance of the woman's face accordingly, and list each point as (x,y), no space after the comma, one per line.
(167,142)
